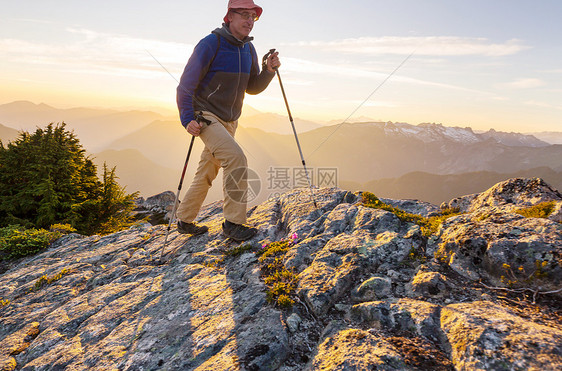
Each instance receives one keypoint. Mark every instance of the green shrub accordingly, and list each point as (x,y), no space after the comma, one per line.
(542,210)
(285,302)
(62,228)
(17,242)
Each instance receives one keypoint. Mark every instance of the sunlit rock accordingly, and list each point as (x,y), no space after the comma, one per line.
(369,289)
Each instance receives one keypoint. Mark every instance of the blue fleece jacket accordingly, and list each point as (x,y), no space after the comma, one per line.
(217,76)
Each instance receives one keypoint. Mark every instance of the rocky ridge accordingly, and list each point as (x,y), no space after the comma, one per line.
(371,291)
(438,132)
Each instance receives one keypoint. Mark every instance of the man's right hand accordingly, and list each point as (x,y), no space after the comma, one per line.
(194,128)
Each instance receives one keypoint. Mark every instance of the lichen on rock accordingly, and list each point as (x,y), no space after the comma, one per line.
(370,290)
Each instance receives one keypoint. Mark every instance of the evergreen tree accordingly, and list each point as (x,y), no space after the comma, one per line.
(109,211)
(46,178)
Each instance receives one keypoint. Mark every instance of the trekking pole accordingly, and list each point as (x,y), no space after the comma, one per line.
(198,118)
(264,66)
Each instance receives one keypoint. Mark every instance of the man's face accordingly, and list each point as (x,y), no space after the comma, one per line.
(242,22)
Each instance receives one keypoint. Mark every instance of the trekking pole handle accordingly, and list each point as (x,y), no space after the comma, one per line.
(199,118)
(264,59)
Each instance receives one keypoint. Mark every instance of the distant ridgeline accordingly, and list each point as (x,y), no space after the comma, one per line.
(430,162)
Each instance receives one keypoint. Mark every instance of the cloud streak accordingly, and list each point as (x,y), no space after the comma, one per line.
(542,105)
(100,53)
(526,83)
(309,68)
(428,46)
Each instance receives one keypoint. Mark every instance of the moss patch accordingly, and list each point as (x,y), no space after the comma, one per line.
(281,283)
(542,210)
(429,226)
(47,280)
(239,250)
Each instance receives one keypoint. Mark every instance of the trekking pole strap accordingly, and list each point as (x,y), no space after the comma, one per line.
(264,59)
(199,118)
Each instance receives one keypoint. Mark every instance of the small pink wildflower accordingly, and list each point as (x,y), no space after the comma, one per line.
(294,236)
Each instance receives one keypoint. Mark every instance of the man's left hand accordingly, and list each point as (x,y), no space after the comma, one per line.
(273,62)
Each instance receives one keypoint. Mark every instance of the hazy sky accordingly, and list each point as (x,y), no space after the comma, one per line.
(479,63)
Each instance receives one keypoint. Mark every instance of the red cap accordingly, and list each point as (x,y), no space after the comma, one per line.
(242,4)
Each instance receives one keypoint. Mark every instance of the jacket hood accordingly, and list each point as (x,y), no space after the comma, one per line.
(225,32)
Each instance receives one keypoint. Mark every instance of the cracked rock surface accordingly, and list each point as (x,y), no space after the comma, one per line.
(372,292)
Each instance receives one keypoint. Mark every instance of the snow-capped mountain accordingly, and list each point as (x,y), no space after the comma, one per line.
(437,132)
(431,132)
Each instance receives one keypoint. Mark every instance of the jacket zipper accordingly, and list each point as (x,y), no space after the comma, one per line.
(214,91)
(238,83)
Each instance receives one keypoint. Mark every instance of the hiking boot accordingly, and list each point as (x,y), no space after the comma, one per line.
(238,232)
(191,228)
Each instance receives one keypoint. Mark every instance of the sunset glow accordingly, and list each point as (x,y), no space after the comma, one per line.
(480,64)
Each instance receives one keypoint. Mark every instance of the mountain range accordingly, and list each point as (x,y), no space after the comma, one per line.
(94,127)
(8,134)
(431,162)
(273,122)
(552,137)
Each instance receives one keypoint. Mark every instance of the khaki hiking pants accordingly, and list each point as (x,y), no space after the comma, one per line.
(221,150)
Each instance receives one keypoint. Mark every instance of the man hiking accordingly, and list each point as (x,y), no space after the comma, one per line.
(223,67)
